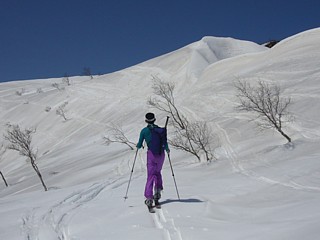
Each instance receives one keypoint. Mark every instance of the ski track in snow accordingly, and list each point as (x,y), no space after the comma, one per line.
(170,231)
(53,224)
(238,167)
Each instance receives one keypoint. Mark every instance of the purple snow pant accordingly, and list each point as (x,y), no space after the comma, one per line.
(154,178)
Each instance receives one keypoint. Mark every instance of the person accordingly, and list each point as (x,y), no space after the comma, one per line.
(154,184)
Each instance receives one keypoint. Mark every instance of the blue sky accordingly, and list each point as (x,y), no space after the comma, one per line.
(49,38)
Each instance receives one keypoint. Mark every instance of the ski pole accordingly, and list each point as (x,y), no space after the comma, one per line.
(134,162)
(174,179)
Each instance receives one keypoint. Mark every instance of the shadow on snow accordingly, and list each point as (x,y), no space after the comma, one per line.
(189,200)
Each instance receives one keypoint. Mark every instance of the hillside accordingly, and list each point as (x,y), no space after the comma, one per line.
(259,187)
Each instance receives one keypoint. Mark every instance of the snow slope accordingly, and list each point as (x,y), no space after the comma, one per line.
(259,188)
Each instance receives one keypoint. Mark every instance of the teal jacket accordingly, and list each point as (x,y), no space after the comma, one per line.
(145,135)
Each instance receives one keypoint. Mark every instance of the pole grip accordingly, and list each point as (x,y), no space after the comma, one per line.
(165,126)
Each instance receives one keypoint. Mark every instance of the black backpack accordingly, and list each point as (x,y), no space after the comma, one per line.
(158,140)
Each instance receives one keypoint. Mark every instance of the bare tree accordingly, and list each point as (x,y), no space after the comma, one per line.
(20,141)
(39,90)
(192,137)
(196,139)
(266,101)
(48,109)
(61,111)
(66,79)
(56,85)
(115,134)
(22,91)
(165,102)
(2,151)
(87,72)
(202,138)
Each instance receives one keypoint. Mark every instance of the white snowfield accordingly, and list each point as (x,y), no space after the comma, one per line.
(259,188)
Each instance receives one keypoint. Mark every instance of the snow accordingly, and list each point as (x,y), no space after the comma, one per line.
(260,187)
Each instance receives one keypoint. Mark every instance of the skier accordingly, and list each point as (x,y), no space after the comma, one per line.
(155,160)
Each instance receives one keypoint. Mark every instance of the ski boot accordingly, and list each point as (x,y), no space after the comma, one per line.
(149,203)
(156,198)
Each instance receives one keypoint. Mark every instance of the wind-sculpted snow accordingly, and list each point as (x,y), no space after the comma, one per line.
(260,187)
(211,50)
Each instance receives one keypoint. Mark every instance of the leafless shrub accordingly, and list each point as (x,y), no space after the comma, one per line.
(165,102)
(115,134)
(22,91)
(39,90)
(2,151)
(47,109)
(192,137)
(61,111)
(66,79)
(87,72)
(197,139)
(56,85)
(266,101)
(20,141)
